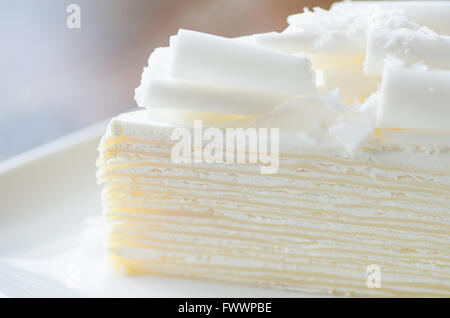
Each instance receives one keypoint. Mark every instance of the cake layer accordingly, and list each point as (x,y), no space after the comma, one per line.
(314,226)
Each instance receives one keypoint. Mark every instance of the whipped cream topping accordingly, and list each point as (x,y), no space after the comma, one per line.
(355,126)
(411,46)
(303,120)
(433,14)
(395,52)
(337,31)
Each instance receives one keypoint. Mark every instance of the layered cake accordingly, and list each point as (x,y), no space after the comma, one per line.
(314,160)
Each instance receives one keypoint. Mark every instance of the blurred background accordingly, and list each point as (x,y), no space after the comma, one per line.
(56,80)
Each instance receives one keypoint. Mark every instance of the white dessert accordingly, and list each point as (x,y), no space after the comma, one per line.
(363,177)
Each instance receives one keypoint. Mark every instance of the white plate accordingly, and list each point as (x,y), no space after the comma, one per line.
(46,195)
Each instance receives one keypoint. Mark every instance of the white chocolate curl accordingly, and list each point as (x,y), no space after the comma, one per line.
(203,57)
(433,14)
(414,98)
(173,93)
